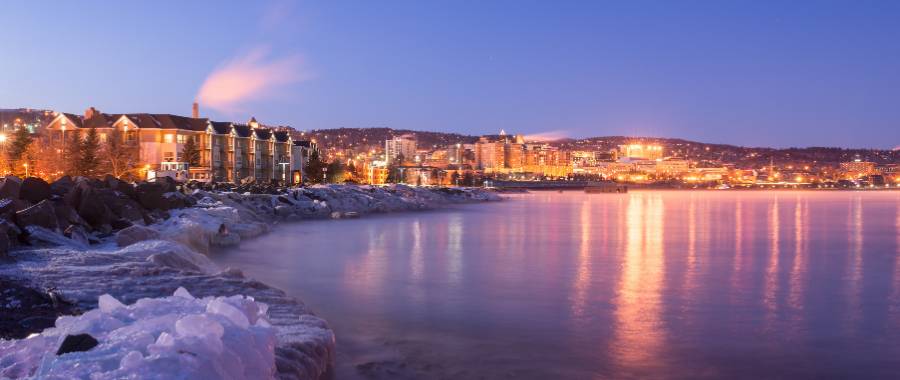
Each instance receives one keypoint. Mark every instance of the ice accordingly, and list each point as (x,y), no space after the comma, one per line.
(183,293)
(109,303)
(163,338)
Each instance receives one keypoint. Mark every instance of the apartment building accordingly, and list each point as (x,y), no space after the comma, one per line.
(229,152)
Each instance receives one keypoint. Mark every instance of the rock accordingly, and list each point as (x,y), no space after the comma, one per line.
(41,214)
(118,224)
(5,242)
(66,215)
(153,196)
(134,234)
(90,203)
(9,207)
(77,343)
(10,187)
(77,233)
(62,185)
(34,190)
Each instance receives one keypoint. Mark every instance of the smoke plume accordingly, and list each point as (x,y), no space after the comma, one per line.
(249,77)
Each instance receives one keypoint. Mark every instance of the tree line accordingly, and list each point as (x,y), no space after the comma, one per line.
(78,153)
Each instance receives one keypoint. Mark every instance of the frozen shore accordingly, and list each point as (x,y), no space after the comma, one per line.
(145,263)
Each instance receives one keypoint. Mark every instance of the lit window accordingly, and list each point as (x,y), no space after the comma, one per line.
(168,138)
(180,138)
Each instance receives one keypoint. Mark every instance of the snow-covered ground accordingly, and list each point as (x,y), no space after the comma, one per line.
(143,266)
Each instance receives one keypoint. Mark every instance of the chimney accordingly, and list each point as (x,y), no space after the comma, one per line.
(196,111)
(89,113)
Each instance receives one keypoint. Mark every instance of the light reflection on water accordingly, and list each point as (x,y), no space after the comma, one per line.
(645,285)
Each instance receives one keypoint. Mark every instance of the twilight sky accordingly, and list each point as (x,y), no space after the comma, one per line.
(780,73)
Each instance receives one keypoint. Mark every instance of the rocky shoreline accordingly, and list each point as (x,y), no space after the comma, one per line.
(80,239)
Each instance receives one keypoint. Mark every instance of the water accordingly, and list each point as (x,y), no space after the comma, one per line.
(651,284)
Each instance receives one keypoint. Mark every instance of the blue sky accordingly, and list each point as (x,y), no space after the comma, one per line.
(742,72)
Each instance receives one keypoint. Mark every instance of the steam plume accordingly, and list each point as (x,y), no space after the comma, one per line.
(249,77)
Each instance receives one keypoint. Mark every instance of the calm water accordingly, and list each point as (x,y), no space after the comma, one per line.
(650,284)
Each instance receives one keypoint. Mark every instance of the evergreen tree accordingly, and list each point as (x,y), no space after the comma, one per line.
(315,168)
(71,154)
(190,153)
(351,171)
(16,153)
(335,172)
(88,163)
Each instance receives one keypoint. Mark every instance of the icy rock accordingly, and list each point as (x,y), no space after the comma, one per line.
(168,337)
(134,234)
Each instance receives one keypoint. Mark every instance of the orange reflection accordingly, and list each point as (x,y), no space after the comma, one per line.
(639,334)
(798,270)
(771,278)
(454,249)
(582,281)
(855,229)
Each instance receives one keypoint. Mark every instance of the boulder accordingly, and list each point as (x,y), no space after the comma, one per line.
(5,241)
(34,190)
(93,209)
(41,214)
(78,234)
(10,187)
(62,185)
(118,224)
(77,343)
(66,215)
(134,234)
(9,207)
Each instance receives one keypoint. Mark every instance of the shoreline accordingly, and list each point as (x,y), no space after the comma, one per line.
(152,261)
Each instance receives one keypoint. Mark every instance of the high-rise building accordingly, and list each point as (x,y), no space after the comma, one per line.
(857,168)
(642,151)
(400,148)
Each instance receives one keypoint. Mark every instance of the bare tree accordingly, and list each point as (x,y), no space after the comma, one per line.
(120,154)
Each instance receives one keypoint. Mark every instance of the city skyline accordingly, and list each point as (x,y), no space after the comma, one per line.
(802,74)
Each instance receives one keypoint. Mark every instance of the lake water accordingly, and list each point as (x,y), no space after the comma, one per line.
(649,284)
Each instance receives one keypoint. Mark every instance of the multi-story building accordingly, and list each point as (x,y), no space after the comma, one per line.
(402,148)
(229,152)
(857,168)
(647,152)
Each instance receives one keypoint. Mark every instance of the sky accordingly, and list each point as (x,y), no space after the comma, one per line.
(753,73)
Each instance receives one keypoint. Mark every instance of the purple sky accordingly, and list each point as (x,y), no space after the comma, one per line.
(742,72)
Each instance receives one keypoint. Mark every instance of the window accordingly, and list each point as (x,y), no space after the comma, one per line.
(103,137)
(168,156)
(180,138)
(168,138)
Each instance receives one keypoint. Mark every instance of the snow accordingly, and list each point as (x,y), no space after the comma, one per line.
(170,337)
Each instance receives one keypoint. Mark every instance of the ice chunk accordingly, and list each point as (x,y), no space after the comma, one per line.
(131,360)
(170,337)
(109,303)
(183,293)
(219,306)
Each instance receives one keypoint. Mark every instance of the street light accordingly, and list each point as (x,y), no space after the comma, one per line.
(26,170)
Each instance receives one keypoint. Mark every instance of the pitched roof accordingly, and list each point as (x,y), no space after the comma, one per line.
(282,136)
(75,119)
(242,130)
(167,121)
(221,127)
(263,133)
(100,120)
